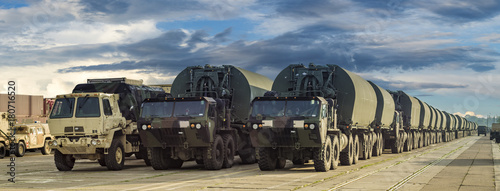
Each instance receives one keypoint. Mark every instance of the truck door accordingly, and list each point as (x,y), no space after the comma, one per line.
(32,137)
(39,137)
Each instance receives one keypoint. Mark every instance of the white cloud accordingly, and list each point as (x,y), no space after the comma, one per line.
(469,113)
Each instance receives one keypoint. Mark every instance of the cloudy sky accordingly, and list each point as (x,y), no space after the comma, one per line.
(443,52)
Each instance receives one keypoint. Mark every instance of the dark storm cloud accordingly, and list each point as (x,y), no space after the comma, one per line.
(305,8)
(481,67)
(462,10)
(405,86)
(105,6)
(159,66)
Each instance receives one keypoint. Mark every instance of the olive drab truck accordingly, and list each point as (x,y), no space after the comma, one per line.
(205,120)
(320,113)
(495,132)
(98,121)
(410,109)
(30,136)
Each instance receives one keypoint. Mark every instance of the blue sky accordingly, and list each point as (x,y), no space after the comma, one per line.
(443,52)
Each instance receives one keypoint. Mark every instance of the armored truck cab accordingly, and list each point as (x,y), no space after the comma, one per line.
(495,132)
(98,122)
(205,121)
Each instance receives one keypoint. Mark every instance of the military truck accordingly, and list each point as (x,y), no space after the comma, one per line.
(98,121)
(205,120)
(495,132)
(323,113)
(410,109)
(34,136)
(483,130)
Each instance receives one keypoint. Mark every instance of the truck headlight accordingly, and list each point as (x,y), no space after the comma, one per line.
(144,127)
(54,143)
(255,126)
(312,126)
(93,142)
(198,126)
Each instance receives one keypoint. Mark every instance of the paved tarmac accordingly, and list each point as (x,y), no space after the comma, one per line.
(469,163)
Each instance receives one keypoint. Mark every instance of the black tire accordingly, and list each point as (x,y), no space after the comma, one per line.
(160,158)
(63,162)
(20,149)
(497,140)
(2,151)
(346,156)
(335,153)
(356,150)
(376,146)
(267,159)
(217,153)
(143,153)
(247,155)
(176,163)
(395,144)
(46,149)
(102,162)
(364,146)
(280,163)
(382,144)
(323,156)
(491,138)
(401,141)
(199,161)
(298,161)
(229,148)
(115,159)
(410,142)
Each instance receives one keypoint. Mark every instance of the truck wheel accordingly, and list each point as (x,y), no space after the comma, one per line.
(46,149)
(143,153)
(376,146)
(335,153)
(160,158)
(217,153)
(229,147)
(395,144)
(2,150)
(280,163)
(346,157)
(382,144)
(115,159)
(102,162)
(364,145)
(298,161)
(323,156)
(267,159)
(176,163)
(63,162)
(356,149)
(20,149)
(497,140)
(491,138)
(410,142)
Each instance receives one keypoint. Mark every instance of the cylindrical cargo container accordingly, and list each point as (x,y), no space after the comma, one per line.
(444,121)
(229,82)
(450,121)
(356,99)
(425,115)
(438,120)
(384,115)
(459,122)
(410,108)
(432,123)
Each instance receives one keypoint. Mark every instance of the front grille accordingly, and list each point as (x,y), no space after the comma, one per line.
(76,130)
(170,136)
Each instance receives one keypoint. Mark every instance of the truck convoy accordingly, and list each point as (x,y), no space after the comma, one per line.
(205,120)
(98,121)
(332,116)
(32,136)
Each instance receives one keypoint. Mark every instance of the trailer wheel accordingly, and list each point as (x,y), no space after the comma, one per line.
(176,163)
(382,143)
(46,149)
(335,153)
(2,150)
(346,156)
(20,149)
(497,139)
(229,147)
(217,154)
(63,162)
(267,159)
(323,156)
(280,163)
(356,150)
(115,159)
(143,152)
(376,151)
(160,158)
(298,161)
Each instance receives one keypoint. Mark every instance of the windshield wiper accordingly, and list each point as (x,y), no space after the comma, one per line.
(70,106)
(84,101)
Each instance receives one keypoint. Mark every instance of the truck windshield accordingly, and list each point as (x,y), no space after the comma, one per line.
(189,108)
(87,107)
(22,130)
(157,109)
(291,108)
(63,108)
